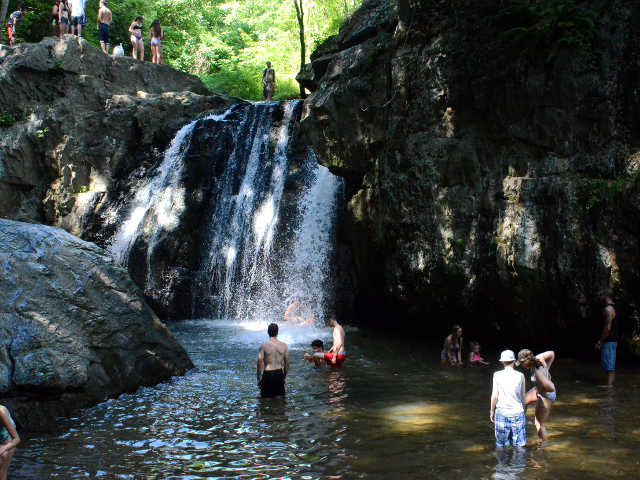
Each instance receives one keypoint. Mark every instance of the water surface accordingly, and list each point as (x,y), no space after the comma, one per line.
(392,411)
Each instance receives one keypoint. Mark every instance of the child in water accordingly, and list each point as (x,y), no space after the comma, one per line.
(474,355)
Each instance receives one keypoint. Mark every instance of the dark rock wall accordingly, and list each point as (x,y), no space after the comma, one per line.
(487,185)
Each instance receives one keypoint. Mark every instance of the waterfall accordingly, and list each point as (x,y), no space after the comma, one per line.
(238,216)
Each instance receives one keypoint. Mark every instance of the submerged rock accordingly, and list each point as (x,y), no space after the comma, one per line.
(74,328)
(487,185)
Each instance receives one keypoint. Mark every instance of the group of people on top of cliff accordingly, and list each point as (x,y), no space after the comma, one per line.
(71,13)
(509,401)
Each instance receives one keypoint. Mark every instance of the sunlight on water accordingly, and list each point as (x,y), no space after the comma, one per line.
(391,412)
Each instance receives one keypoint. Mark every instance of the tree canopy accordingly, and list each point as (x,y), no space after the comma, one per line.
(226,42)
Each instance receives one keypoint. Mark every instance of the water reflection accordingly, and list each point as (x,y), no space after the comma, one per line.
(384,415)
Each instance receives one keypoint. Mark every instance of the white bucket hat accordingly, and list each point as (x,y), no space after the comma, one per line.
(507,356)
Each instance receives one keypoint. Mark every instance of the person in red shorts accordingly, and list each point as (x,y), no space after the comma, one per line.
(336,355)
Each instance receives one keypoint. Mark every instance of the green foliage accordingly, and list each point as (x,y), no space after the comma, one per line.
(227,42)
(6,119)
(554,25)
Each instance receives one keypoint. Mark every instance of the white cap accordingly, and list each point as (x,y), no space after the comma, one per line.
(507,356)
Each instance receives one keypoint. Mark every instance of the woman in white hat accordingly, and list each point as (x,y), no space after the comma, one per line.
(507,404)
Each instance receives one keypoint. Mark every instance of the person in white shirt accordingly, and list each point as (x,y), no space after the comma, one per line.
(508,405)
(77,16)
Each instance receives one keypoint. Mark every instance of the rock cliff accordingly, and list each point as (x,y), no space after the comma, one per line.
(492,159)
(74,328)
(72,119)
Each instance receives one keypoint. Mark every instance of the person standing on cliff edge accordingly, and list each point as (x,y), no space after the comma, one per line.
(268,82)
(272,353)
(15,19)
(608,341)
(104,20)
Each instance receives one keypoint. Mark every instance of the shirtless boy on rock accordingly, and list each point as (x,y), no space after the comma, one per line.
(272,354)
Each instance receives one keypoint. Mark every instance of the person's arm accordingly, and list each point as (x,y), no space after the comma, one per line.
(609,315)
(274,77)
(99,17)
(287,313)
(161,33)
(259,365)
(544,381)
(548,357)
(471,358)
(8,424)
(286,363)
(494,399)
(131,29)
(460,352)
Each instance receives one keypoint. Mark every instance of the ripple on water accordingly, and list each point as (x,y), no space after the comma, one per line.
(392,412)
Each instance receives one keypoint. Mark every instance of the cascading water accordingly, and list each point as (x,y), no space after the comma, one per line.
(238,217)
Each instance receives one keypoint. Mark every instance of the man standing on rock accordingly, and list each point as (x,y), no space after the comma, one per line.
(608,341)
(104,20)
(272,354)
(77,16)
(268,82)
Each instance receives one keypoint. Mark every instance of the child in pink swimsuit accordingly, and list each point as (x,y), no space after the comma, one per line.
(474,355)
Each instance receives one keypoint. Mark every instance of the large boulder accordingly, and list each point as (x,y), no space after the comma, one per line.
(72,119)
(491,181)
(74,328)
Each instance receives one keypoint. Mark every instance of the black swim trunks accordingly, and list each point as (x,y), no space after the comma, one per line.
(272,384)
(103,33)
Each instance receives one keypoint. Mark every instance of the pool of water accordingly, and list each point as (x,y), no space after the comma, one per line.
(392,411)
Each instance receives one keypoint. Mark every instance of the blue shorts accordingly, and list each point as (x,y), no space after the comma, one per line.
(510,431)
(608,358)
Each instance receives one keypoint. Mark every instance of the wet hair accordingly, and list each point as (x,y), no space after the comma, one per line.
(273,330)
(317,344)
(155,29)
(473,345)
(526,356)
(330,318)
(139,19)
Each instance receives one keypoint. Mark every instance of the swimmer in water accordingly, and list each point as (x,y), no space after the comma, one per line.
(318,356)
(292,315)
(474,355)
(272,354)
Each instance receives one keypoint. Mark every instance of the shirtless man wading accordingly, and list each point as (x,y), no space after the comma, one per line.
(272,354)
(336,354)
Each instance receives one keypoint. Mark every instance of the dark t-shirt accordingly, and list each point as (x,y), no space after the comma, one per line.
(613,334)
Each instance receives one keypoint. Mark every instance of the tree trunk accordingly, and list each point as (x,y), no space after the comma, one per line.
(3,12)
(303,52)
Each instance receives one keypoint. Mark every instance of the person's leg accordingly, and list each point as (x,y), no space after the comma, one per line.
(134,43)
(141,48)
(530,397)
(543,408)
(611,377)
(5,461)
(160,57)
(154,54)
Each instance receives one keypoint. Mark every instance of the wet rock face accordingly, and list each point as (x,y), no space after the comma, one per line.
(74,328)
(78,118)
(487,186)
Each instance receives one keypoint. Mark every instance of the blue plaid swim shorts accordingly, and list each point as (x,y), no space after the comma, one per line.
(510,431)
